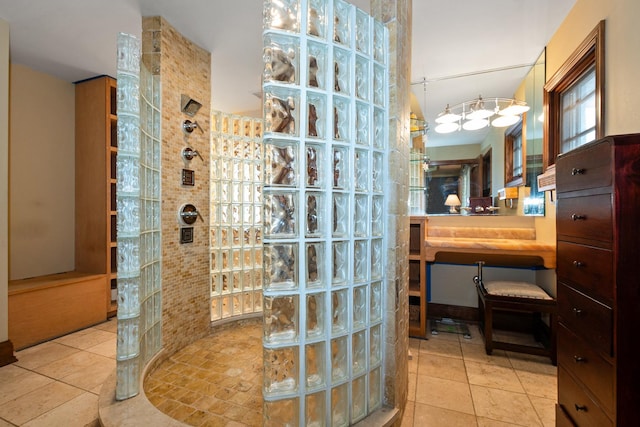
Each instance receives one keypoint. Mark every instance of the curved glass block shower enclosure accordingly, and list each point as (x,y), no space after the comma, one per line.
(297,228)
(325,140)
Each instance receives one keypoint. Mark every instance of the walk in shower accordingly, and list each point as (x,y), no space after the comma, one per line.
(297,218)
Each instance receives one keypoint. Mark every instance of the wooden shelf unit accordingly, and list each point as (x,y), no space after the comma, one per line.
(96,152)
(417,277)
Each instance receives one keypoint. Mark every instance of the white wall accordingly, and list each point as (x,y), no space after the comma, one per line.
(622,56)
(452,284)
(42,174)
(4,178)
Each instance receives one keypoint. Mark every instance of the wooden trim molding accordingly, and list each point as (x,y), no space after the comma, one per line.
(510,136)
(591,52)
(6,353)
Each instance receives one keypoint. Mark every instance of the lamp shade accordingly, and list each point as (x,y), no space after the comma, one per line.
(504,121)
(475,124)
(447,127)
(452,200)
(447,116)
(514,109)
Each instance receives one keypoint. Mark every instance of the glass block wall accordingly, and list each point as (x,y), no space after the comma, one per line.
(138,217)
(325,139)
(236,215)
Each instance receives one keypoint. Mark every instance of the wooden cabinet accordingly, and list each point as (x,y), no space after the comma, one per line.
(598,253)
(417,277)
(96,150)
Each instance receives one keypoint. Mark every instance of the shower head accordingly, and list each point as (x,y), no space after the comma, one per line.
(189,106)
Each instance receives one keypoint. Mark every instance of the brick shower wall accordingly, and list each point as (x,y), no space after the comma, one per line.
(185,68)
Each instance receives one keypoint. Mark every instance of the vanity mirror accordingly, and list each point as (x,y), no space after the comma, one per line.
(485,168)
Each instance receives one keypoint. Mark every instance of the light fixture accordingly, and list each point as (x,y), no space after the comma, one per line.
(452,201)
(477,114)
(504,121)
(478,110)
(447,127)
(475,124)
(514,109)
(447,116)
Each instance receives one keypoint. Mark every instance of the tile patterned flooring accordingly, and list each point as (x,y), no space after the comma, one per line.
(212,383)
(57,383)
(452,382)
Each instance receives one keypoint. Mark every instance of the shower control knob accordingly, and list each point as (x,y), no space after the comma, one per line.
(189,153)
(189,126)
(188,214)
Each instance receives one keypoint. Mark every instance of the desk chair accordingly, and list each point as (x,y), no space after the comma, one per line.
(521,297)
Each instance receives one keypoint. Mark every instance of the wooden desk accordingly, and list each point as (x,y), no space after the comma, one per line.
(497,246)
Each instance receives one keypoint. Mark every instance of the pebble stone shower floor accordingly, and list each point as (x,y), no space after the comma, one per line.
(216,381)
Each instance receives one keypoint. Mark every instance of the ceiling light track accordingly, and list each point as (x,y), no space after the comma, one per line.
(471,74)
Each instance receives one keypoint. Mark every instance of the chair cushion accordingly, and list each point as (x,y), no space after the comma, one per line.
(516,289)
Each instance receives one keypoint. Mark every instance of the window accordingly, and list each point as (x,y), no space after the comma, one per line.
(573,99)
(578,116)
(514,147)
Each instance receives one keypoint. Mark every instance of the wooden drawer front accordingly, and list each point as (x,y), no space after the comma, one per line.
(587,266)
(589,319)
(562,419)
(577,404)
(576,356)
(587,217)
(584,169)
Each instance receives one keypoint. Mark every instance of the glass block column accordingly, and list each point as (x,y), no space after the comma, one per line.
(139,334)
(236,215)
(325,139)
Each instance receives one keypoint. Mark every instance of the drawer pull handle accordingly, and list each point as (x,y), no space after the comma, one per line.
(577,171)
(577,217)
(578,264)
(580,407)
(577,312)
(579,359)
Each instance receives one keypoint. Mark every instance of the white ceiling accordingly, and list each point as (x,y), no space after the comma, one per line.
(75,40)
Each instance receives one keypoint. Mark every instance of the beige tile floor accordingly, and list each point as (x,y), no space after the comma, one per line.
(211,383)
(57,383)
(452,382)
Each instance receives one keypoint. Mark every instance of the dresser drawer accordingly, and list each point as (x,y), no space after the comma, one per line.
(596,373)
(577,404)
(562,419)
(589,267)
(588,318)
(584,169)
(585,217)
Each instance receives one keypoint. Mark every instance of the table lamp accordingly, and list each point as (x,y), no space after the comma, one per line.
(452,201)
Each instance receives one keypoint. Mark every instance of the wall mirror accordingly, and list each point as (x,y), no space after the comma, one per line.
(478,170)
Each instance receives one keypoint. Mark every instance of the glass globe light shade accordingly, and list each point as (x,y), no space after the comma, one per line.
(475,124)
(514,109)
(504,121)
(447,127)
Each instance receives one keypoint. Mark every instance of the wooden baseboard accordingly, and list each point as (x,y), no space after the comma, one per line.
(6,353)
(468,314)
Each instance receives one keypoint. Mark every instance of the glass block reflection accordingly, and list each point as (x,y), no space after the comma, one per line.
(280,318)
(324,201)
(281,370)
(237,174)
(281,413)
(314,366)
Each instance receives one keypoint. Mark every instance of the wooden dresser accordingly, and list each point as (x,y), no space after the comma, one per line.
(598,267)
